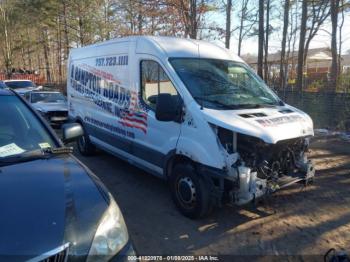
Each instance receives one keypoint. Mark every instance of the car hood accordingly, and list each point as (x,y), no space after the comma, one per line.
(48,107)
(24,90)
(268,124)
(45,204)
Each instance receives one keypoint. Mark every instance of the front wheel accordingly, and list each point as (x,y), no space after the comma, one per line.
(190,192)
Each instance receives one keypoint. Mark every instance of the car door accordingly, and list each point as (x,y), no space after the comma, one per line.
(157,138)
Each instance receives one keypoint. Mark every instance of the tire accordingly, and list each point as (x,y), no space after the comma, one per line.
(85,147)
(190,192)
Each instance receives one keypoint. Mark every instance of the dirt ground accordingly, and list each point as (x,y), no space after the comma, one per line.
(294,221)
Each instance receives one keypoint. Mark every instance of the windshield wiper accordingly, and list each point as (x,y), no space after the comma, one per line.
(34,155)
(216,102)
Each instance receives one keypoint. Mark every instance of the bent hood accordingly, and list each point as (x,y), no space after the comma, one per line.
(24,90)
(45,204)
(49,107)
(269,124)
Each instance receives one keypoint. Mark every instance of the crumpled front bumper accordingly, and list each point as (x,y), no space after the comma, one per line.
(251,187)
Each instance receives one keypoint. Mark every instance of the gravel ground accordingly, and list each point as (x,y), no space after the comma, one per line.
(294,221)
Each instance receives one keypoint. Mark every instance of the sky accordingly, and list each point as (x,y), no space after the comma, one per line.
(250,45)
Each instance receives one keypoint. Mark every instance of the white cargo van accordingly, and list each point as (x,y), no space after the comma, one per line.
(192,113)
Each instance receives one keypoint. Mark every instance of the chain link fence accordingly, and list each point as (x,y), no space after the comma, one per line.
(328,110)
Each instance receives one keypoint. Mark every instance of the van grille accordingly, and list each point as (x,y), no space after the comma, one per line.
(59,254)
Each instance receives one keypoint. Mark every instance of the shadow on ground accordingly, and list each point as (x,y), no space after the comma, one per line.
(293,221)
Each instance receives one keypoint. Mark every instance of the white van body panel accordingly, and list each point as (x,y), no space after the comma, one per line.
(205,148)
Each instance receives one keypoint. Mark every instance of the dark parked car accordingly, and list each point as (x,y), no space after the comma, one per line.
(51,105)
(51,205)
(2,85)
(21,86)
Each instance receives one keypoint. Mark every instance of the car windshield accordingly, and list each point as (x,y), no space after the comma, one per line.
(19,84)
(20,129)
(223,84)
(47,98)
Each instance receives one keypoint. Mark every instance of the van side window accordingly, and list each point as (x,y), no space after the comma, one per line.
(154,81)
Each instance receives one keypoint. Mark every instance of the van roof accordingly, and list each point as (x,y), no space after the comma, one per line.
(168,47)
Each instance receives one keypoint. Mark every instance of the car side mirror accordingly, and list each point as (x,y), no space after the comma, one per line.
(168,108)
(71,131)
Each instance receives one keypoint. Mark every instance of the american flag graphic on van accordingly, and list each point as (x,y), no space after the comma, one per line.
(136,115)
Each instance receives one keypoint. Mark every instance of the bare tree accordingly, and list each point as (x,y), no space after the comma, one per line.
(300,68)
(266,43)
(247,20)
(342,8)
(261,39)
(190,12)
(283,47)
(7,48)
(228,23)
(292,39)
(334,46)
(319,12)
(46,49)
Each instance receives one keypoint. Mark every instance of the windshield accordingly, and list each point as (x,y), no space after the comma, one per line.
(222,84)
(47,98)
(19,84)
(20,129)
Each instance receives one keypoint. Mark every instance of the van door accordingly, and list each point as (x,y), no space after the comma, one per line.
(159,137)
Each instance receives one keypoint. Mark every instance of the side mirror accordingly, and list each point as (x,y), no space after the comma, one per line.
(168,108)
(71,131)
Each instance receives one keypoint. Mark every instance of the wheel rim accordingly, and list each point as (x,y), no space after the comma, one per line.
(186,192)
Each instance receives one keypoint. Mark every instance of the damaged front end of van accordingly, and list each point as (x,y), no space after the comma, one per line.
(270,158)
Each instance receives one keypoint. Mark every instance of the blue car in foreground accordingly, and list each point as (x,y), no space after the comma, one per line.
(53,208)
(2,85)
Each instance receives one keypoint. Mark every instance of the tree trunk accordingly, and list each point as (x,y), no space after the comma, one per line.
(59,50)
(228,24)
(300,68)
(334,68)
(45,43)
(139,18)
(283,47)
(6,37)
(193,19)
(261,39)
(29,52)
(294,31)
(267,32)
(24,62)
(341,36)
(65,29)
(240,35)
(81,31)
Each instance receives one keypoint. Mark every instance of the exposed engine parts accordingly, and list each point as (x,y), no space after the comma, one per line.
(271,161)
(259,168)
